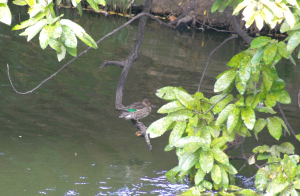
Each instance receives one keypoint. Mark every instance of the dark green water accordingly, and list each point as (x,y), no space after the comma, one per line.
(66,137)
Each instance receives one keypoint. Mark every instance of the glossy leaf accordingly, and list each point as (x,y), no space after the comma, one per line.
(224,81)
(275,128)
(258,56)
(245,70)
(289,168)
(248,117)
(61,55)
(241,86)
(88,40)
(44,37)
(224,114)
(206,161)
(180,114)
(172,173)
(158,127)
(34,29)
(259,125)
(199,176)
(185,99)
(216,175)
(260,41)
(278,84)
(267,80)
(206,184)
(233,118)
(189,140)
(71,51)
(177,132)
(190,148)
(68,37)
(219,142)
(221,105)
(220,156)
(171,107)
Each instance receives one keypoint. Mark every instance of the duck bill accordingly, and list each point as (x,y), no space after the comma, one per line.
(153,106)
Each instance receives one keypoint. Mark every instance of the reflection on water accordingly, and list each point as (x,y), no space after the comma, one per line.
(66,138)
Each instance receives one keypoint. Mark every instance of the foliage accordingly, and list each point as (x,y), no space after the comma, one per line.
(59,34)
(201,127)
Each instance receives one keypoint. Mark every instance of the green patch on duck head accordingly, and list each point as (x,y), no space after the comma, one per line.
(131,110)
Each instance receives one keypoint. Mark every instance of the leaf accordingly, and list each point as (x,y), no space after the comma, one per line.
(241,86)
(158,127)
(93,4)
(269,53)
(220,106)
(171,107)
(182,142)
(61,55)
(177,132)
(275,128)
(259,20)
(236,60)
(267,79)
(258,56)
(44,37)
(289,168)
(282,123)
(263,156)
(78,30)
(224,114)
(245,70)
(180,114)
(35,9)
(56,45)
(241,101)
(166,93)
(225,179)
(5,14)
(248,117)
(293,41)
(278,84)
(282,48)
(259,125)
(264,109)
(216,5)
(188,162)
(288,15)
(219,142)
(261,149)
(224,81)
(270,99)
(206,161)
(261,179)
(172,173)
(34,29)
(276,186)
(185,99)
(199,176)
(233,118)
(88,40)
(216,175)
(298,137)
(283,97)
(71,51)
(190,148)
(230,169)
(68,37)
(206,184)
(220,156)
(29,22)
(287,148)
(240,6)
(260,41)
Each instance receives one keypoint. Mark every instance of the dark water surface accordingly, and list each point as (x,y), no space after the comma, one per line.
(66,137)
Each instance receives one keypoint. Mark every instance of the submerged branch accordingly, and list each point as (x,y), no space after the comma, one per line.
(210,55)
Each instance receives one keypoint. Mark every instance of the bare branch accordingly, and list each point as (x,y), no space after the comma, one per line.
(299,98)
(285,120)
(212,107)
(210,55)
(116,63)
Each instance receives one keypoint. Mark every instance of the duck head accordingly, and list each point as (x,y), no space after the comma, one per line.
(147,102)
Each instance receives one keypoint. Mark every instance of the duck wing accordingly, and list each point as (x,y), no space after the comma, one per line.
(136,106)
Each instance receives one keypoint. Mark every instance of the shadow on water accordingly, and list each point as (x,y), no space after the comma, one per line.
(66,138)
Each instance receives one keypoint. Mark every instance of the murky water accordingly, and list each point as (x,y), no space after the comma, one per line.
(66,138)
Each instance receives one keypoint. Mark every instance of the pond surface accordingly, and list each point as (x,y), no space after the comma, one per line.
(66,138)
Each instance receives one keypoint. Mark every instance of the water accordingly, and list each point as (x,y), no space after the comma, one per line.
(66,138)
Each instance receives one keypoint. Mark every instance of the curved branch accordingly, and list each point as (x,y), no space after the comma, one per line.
(285,120)
(210,55)
(116,63)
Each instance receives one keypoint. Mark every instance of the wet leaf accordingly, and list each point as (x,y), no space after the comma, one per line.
(224,81)
(158,127)
(260,41)
(206,160)
(216,175)
(185,99)
(248,117)
(171,107)
(259,125)
(220,156)
(275,128)
(177,132)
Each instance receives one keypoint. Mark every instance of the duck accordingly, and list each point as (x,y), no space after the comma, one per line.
(238,140)
(137,110)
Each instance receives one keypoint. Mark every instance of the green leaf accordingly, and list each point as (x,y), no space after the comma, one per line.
(275,128)
(5,14)
(282,123)
(293,41)
(225,179)
(241,86)
(289,168)
(206,184)
(206,160)
(188,161)
(34,29)
(61,55)
(224,114)
(93,4)
(298,137)
(194,191)
(216,5)
(158,127)
(44,37)
(71,51)
(264,109)
(29,22)
(233,118)
(199,176)
(263,156)
(259,125)
(258,56)
(34,10)
(88,40)
(267,79)
(55,44)
(241,101)
(166,93)
(283,97)
(30,2)
(216,175)
(245,70)
(177,132)
(278,84)
(220,106)
(181,114)
(282,48)
(261,149)
(248,116)
(261,179)
(269,53)
(276,186)
(220,156)
(68,37)
(168,148)
(219,142)
(190,148)
(270,99)
(230,169)
(224,81)
(184,141)
(20,2)
(77,29)
(260,41)
(186,99)
(171,107)
(172,173)
(287,148)
(236,60)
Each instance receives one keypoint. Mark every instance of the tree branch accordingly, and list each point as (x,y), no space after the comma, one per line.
(210,55)
(285,120)
(116,63)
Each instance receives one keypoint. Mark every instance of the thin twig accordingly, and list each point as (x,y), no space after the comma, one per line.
(116,63)
(210,55)
(299,98)
(285,120)
(216,103)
